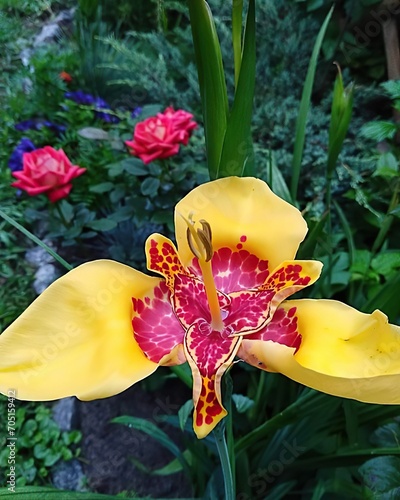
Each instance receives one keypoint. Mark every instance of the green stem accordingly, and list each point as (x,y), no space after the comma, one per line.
(183,374)
(387,221)
(36,240)
(220,441)
(329,230)
(259,399)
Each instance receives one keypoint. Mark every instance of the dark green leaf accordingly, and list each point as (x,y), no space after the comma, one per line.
(104,187)
(242,403)
(212,83)
(154,169)
(304,107)
(116,169)
(102,224)
(184,413)
(152,430)
(135,166)
(40,493)
(237,154)
(149,186)
(67,210)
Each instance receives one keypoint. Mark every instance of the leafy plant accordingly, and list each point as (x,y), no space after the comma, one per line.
(40,443)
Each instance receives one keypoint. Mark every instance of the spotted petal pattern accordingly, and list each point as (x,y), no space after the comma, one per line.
(155,326)
(237,269)
(176,322)
(209,354)
(282,329)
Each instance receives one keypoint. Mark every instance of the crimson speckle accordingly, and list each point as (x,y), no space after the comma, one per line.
(243,238)
(210,398)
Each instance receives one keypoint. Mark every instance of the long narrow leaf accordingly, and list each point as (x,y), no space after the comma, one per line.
(304,107)
(347,231)
(42,493)
(237,154)
(342,458)
(156,433)
(36,240)
(211,79)
(237,12)
(386,299)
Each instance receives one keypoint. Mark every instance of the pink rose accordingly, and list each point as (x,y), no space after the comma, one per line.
(182,122)
(160,136)
(49,171)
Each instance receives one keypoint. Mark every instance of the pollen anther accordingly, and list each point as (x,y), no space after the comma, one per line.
(199,240)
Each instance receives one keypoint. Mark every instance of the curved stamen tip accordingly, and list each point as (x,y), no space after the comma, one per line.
(199,240)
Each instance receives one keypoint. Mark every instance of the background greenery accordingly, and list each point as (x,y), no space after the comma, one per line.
(140,55)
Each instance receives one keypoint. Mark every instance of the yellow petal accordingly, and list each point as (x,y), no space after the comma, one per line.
(77,338)
(244,212)
(343,352)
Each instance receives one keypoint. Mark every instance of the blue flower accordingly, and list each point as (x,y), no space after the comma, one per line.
(25,125)
(136,112)
(15,162)
(37,124)
(98,103)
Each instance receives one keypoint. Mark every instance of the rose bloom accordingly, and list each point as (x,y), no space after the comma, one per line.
(160,136)
(48,171)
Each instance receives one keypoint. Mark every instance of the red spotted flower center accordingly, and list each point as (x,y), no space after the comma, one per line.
(202,312)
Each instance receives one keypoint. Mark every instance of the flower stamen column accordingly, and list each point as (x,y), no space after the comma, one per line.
(200,243)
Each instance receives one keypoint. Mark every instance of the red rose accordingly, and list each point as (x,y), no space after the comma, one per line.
(183,123)
(47,171)
(160,136)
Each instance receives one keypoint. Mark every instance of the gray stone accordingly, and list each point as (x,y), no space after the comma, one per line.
(64,413)
(44,276)
(38,256)
(69,476)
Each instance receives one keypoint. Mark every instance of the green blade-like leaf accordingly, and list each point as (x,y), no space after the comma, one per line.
(237,155)
(40,493)
(275,179)
(237,12)
(342,458)
(172,467)
(156,433)
(304,107)
(347,231)
(211,80)
(386,299)
(36,240)
(307,248)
